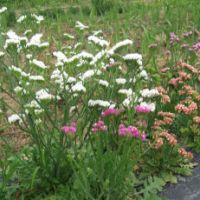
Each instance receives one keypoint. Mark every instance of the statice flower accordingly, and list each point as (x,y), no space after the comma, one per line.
(39,64)
(151,106)
(149,93)
(89,73)
(3,9)
(120,81)
(142,109)
(80,25)
(69,129)
(119,45)
(187,34)
(196,46)
(173,38)
(130,130)
(1,54)
(110,111)
(103,83)
(102,103)
(14,118)
(39,18)
(78,87)
(98,41)
(43,94)
(68,35)
(99,126)
(36,78)
(21,18)
(36,41)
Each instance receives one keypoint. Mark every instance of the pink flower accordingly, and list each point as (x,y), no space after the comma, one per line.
(142,109)
(99,126)
(69,129)
(110,111)
(143,136)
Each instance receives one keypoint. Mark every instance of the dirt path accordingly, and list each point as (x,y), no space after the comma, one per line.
(188,188)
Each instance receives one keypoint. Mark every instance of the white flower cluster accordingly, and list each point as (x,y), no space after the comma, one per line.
(36,41)
(3,9)
(119,45)
(43,94)
(80,25)
(21,18)
(13,38)
(149,93)
(102,103)
(98,41)
(134,56)
(39,64)
(15,118)
(103,83)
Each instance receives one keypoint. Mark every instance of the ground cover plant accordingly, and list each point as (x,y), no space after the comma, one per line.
(107,114)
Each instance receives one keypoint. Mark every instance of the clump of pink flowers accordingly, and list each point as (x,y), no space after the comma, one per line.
(186,109)
(196,119)
(69,129)
(142,109)
(110,111)
(173,38)
(131,130)
(99,126)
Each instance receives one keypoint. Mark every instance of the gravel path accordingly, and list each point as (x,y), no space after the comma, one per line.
(188,188)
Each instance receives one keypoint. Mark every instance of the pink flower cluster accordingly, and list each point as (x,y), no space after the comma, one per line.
(69,129)
(99,126)
(186,109)
(110,111)
(197,119)
(131,130)
(142,109)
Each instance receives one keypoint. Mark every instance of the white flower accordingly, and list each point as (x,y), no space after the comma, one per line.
(97,32)
(78,87)
(68,35)
(97,57)
(60,56)
(19,71)
(36,41)
(127,92)
(36,78)
(149,93)
(89,74)
(21,18)
(103,83)
(38,18)
(119,45)
(98,41)
(102,103)
(133,56)
(39,64)
(151,106)
(18,89)
(71,80)
(126,103)
(33,104)
(80,25)
(27,31)
(43,94)
(120,81)
(3,9)
(144,74)
(29,56)
(14,118)
(13,38)
(2,53)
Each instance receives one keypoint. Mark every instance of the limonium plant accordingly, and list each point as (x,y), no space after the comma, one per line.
(88,110)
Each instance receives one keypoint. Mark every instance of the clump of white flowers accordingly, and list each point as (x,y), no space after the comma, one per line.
(3,9)
(80,25)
